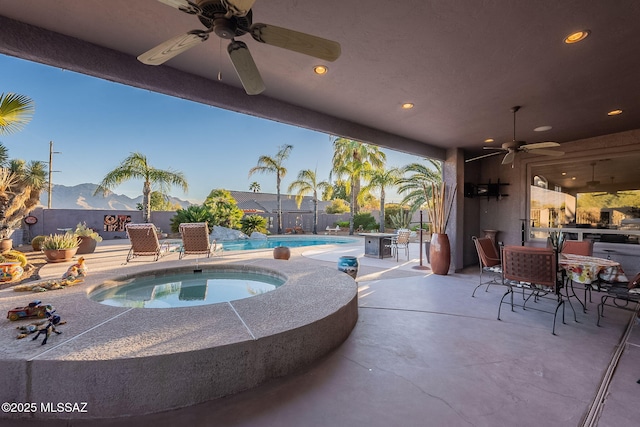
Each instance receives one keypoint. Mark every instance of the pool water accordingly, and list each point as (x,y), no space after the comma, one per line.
(292,242)
(186,289)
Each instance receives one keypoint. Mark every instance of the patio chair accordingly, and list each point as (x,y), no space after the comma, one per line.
(585,248)
(144,241)
(534,270)
(400,241)
(489,262)
(195,240)
(625,296)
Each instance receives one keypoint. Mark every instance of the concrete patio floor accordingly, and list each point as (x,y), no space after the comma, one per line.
(425,353)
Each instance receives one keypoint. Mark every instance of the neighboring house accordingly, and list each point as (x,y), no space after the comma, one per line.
(251,202)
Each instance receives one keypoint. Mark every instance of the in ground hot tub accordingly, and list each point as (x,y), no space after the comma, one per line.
(125,361)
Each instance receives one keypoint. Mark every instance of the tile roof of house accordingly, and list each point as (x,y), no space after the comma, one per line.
(267,202)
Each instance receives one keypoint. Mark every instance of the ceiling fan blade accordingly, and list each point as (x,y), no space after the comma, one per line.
(183,5)
(494,148)
(536,145)
(245,67)
(546,152)
(296,41)
(238,7)
(172,47)
(509,157)
(483,156)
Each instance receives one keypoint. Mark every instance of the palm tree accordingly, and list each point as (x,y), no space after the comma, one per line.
(255,187)
(352,159)
(307,183)
(268,164)
(382,179)
(418,185)
(136,166)
(15,112)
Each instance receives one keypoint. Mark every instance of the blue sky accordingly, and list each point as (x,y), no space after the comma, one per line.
(95,124)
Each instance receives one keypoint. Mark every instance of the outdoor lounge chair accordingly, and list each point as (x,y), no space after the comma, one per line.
(195,240)
(144,241)
(333,230)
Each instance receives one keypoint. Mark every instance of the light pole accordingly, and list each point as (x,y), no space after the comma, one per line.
(51,153)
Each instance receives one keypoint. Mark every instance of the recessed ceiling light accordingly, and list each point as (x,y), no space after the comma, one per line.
(542,128)
(614,112)
(407,106)
(573,177)
(564,173)
(577,36)
(320,69)
(488,140)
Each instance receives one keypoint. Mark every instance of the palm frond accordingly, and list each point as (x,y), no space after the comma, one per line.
(15,112)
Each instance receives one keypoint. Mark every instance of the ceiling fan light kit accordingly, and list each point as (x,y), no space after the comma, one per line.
(515,146)
(234,18)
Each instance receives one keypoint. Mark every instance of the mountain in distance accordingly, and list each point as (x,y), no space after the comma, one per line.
(81,197)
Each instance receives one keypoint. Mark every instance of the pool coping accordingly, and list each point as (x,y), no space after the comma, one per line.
(132,361)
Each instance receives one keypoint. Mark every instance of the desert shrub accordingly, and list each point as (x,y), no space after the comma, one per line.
(364,221)
(36,242)
(392,215)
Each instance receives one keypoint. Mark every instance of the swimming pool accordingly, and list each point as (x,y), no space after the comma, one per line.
(292,242)
(185,289)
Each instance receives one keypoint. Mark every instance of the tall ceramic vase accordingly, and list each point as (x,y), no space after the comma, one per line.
(440,253)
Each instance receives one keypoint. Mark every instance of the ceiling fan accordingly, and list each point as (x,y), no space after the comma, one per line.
(233,18)
(593,183)
(514,146)
(613,192)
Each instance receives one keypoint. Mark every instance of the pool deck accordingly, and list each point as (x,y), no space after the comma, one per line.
(423,352)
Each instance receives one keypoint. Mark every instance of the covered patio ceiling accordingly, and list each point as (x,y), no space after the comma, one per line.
(462,63)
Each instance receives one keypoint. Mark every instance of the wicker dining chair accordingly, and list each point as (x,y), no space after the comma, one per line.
(579,247)
(535,271)
(489,261)
(195,240)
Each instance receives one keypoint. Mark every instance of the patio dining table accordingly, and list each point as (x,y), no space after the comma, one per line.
(590,271)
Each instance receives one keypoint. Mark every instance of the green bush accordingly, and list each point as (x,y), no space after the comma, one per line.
(342,224)
(224,209)
(193,213)
(366,221)
(251,223)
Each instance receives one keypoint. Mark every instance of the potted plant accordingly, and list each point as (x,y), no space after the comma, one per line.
(6,243)
(439,208)
(60,247)
(88,237)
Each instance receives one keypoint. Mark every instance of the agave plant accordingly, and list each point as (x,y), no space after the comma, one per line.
(60,241)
